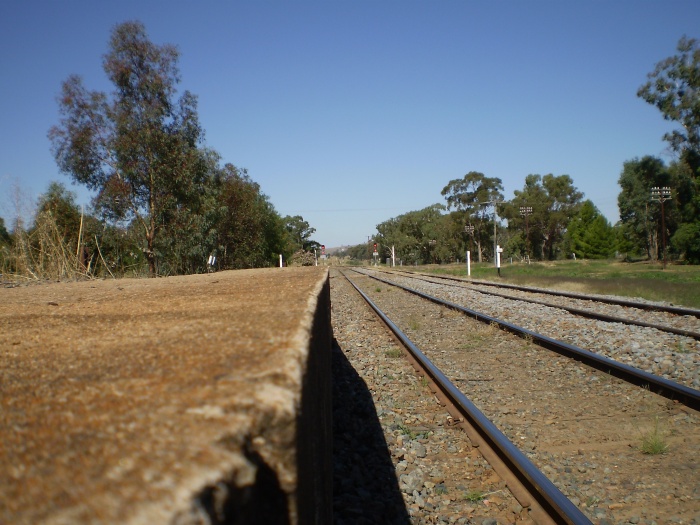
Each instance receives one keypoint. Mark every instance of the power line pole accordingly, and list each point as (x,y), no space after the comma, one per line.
(526,211)
(495,204)
(661,195)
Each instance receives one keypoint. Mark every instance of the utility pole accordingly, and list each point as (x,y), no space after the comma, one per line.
(469,230)
(526,211)
(495,204)
(661,195)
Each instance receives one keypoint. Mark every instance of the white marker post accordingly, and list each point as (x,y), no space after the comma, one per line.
(469,263)
(499,250)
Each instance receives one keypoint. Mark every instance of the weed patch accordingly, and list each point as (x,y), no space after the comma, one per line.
(413,324)
(474,496)
(653,441)
(410,434)
(394,353)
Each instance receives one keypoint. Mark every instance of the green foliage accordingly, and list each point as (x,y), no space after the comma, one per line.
(357,254)
(638,214)
(300,232)
(475,196)
(60,203)
(684,213)
(139,149)
(589,235)
(5,238)
(687,241)
(653,442)
(424,236)
(674,88)
(5,244)
(250,233)
(394,353)
(119,250)
(162,196)
(474,496)
(554,201)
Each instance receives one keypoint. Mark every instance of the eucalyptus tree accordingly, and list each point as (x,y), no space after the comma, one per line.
(299,232)
(475,197)
(554,201)
(138,147)
(417,236)
(684,212)
(250,232)
(534,197)
(639,216)
(674,89)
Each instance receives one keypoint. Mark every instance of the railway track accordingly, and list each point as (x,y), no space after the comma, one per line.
(634,375)
(668,318)
(624,337)
(643,305)
(577,424)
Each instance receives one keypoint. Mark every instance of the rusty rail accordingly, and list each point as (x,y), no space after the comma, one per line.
(531,487)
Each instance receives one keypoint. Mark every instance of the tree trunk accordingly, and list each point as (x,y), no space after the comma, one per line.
(151,233)
(543,248)
(150,252)
(653,243)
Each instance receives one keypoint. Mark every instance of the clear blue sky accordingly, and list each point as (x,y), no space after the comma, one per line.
(350,112)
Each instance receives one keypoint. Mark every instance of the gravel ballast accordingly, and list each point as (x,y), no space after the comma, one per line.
(668,355)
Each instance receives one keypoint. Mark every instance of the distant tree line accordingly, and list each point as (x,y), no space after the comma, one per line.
(164,203)
(549,219)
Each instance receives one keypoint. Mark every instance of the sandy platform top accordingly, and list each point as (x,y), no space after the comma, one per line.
(121,399)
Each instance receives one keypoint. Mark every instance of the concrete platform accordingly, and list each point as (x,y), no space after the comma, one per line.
(184,400)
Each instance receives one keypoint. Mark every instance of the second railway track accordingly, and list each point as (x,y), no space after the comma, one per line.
(669,355)
(674,320)
(580,426)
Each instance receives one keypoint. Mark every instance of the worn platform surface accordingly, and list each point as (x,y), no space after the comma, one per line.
(156,400)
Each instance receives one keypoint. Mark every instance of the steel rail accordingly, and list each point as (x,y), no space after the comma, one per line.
(659,385)
(576,311)
(678,310)
(550,499)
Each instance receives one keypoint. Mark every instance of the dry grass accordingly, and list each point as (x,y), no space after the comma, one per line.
(653,441)
(43,254)
(677,284)
(414,323)
(394,353)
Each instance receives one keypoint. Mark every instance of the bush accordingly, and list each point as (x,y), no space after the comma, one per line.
(686,241)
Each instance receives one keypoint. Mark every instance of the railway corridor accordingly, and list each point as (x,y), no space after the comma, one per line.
(581,427)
